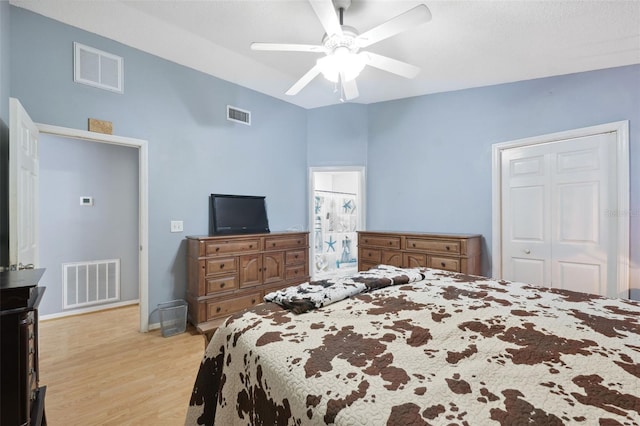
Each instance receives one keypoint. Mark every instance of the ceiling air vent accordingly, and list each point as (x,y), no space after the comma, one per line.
(97,68)
(238,115)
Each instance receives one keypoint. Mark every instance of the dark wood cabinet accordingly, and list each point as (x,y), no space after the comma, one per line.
(21,397)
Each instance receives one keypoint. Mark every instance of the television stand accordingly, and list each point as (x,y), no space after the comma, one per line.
(227,274)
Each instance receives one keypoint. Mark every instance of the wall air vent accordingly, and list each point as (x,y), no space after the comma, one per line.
(238,115)
(97,68)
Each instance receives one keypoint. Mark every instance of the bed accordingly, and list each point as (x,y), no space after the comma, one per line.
(423,346)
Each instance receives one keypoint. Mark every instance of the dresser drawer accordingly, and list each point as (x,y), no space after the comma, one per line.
(282,243)
(222,265)
(446,263)
(380,241)
(218,284)
(370,255)
(295,256)
(212,248)
(295,272)
(223,308)
(365,266)
(441,246)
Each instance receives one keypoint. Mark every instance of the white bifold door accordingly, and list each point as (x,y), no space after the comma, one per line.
(558,214)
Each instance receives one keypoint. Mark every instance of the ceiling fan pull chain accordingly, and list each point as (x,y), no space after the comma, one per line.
(341,12)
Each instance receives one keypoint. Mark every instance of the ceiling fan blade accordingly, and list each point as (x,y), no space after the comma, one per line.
(326,12)
(288,47)
(350,88)
(306,79)
(403,22)
(391,65)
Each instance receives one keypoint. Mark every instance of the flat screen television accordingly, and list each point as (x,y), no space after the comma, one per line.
(237,214)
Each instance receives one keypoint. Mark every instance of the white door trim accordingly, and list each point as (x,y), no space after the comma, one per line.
(621,128)
(143,202)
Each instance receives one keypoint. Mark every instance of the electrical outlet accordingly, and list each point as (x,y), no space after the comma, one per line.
(176,226)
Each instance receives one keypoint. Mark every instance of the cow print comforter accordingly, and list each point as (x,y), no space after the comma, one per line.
(449,349)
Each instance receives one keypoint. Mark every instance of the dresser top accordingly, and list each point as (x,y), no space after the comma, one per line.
(262,234)
(423,234)
(22,278)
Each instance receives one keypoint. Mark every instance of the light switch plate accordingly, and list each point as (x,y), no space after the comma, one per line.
(176,226)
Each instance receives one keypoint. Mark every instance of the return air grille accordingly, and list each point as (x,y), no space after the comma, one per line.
(97,68)
(238,115)
(90,283)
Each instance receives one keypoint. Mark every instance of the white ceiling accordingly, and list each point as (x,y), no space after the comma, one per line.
(466,44)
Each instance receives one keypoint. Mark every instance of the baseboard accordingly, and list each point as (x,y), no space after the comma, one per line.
(90,310)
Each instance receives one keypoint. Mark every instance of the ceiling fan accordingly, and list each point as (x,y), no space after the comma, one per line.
(343,60)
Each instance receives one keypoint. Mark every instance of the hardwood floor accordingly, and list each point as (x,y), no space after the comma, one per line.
(99,370)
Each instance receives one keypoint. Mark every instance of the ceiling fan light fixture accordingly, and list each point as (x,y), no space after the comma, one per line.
(343,61)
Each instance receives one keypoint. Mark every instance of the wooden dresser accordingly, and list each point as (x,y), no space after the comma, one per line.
(22,397)
(227,274)
(451,252)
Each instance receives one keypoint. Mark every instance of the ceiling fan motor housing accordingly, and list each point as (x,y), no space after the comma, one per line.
(346,39)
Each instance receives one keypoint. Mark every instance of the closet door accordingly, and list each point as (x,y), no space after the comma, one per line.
(556,229)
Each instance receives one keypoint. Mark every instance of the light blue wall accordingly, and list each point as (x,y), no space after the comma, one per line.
(429,157)
(337,135)
(4,131)
(69,232)
(193,149)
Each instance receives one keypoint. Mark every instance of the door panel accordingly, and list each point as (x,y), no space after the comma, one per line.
(530,271)
(23,188)
(528,219)
(250,270)
(273,267)
(582,277)
(578,213)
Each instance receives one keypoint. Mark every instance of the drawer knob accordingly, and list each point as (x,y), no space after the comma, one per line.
(217,248)
(443,264)
(222,285)
(218,309)
(221,265)
(295,257)
(413,244)
(447,247)
(273,244)
(250,245)
(253,301)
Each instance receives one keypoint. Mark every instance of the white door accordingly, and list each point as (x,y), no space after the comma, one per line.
(23,188)
(555,199)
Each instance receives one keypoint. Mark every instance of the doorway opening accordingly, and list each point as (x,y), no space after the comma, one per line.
(337,213)
(143,214)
